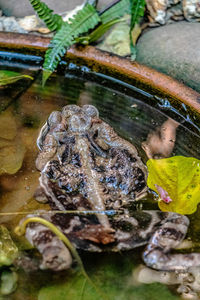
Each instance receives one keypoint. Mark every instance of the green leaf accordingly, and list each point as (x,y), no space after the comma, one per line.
(8,77)
(75,288)
(85,19)
(52,21)
(8,250)
(177,179)
(45,75)
(113,276)
(117,10)
(137,11)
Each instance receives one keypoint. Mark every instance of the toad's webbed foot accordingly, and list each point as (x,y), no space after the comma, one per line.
(167,237)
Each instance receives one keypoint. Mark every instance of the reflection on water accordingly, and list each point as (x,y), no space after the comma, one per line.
(24,112)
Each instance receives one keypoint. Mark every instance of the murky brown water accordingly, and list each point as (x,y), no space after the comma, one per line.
(25,107)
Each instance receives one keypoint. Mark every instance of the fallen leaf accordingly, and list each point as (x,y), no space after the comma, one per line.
(177,181)
(135,33)
(8,250)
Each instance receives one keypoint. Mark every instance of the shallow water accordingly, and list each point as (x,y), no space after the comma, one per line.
(27,106)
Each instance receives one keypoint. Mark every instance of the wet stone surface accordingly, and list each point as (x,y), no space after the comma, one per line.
(173,50)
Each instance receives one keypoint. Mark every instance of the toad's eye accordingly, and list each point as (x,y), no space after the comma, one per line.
(54,118)
(70,110)
(90,111)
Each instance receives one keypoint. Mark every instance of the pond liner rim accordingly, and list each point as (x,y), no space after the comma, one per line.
(103,61)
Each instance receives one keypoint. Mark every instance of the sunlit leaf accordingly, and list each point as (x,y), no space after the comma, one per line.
(7,77)
(177,181)
(8,250)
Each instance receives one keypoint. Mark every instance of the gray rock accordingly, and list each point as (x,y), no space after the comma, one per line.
(21,8)
(10,24)
(174,50)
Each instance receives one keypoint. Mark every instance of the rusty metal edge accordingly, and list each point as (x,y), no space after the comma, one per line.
(107,61)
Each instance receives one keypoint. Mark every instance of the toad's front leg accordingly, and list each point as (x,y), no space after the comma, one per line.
(167,237)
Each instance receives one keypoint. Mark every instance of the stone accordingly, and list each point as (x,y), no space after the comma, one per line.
(174,50)
(13,8)
(24,8)
(10,24)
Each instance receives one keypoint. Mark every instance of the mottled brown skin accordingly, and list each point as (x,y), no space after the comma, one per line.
(85,165)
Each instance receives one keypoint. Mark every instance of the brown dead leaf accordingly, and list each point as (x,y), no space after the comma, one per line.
(135,33)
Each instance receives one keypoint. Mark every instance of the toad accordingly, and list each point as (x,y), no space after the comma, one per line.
(86,166)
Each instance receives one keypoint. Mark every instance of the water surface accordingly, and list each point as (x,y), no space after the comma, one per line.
(27,106)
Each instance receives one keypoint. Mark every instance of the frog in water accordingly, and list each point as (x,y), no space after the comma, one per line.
(85,165)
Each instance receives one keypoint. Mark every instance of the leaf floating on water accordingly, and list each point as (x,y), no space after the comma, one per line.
(8,282)
(74,288)
(177,181)
(7,77)
(8,250)
(11,156)
(113,276)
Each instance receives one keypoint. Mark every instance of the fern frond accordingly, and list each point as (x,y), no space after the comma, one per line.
(85,19)
(137,11)
(117,10)
(57,48)
(52,21)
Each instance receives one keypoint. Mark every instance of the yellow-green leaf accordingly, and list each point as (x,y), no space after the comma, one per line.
(8,250)
(7,77)
(177,181)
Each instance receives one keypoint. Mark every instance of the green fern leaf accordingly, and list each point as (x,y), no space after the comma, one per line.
(85,19)
(52,21)
(117,10)
(57,48)
(137,11)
